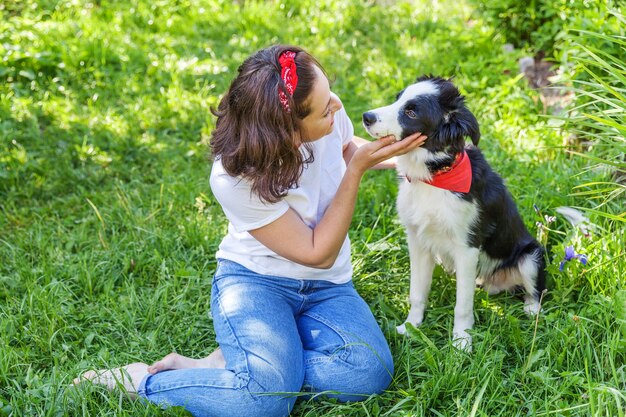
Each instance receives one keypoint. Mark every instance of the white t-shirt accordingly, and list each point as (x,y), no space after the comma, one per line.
(317,187)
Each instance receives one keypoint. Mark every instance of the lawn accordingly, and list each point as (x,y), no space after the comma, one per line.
(108,227)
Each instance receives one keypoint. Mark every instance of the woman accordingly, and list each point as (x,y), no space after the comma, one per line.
(287,317)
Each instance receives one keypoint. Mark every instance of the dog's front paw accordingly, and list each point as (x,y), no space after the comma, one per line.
(402,328)
(415,318)
(462,340)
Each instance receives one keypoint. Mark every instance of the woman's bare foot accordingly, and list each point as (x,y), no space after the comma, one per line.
(176,361)
(127,377)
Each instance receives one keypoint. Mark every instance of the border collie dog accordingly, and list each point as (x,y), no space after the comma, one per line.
(455,208)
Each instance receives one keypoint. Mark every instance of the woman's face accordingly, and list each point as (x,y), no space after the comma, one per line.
(319,122)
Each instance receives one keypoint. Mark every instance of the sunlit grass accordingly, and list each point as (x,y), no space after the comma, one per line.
(108,228)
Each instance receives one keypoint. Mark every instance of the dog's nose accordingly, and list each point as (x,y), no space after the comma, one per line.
(369,118)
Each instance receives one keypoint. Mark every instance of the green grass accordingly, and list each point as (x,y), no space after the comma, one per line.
(108,228)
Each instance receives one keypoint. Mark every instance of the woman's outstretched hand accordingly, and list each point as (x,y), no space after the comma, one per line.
(375,152)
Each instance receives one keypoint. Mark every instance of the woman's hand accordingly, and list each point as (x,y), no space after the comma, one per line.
(375,152)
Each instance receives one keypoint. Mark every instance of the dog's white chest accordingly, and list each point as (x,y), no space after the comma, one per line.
(441,219)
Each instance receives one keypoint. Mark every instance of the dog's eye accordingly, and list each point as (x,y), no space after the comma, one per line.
(410,113)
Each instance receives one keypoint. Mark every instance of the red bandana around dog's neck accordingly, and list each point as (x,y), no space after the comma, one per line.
(289,76)
(457,178)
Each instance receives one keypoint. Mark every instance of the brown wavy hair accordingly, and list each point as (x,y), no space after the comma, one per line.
(254,136)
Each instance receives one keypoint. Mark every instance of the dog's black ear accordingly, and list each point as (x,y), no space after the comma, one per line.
(458,120)
(462,123)
(425,77)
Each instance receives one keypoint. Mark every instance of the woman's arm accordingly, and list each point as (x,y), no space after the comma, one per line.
(318,247)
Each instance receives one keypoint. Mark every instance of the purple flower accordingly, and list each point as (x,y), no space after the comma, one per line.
(570,254)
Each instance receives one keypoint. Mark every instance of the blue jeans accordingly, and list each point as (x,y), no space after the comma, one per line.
(281,338)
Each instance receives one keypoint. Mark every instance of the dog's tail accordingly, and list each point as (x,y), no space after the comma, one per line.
(536,254)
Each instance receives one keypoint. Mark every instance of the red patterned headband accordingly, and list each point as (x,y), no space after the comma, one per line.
(289,77)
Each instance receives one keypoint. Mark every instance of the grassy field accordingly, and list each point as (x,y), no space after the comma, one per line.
(108,228)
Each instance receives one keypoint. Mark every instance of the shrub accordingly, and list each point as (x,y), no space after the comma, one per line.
(535,23)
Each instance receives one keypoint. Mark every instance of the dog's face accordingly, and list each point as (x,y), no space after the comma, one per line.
(432,106)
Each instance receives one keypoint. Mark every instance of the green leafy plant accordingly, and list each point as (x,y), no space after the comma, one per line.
(598,74)
(536,24)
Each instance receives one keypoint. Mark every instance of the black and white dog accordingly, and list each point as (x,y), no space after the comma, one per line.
(455,208)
